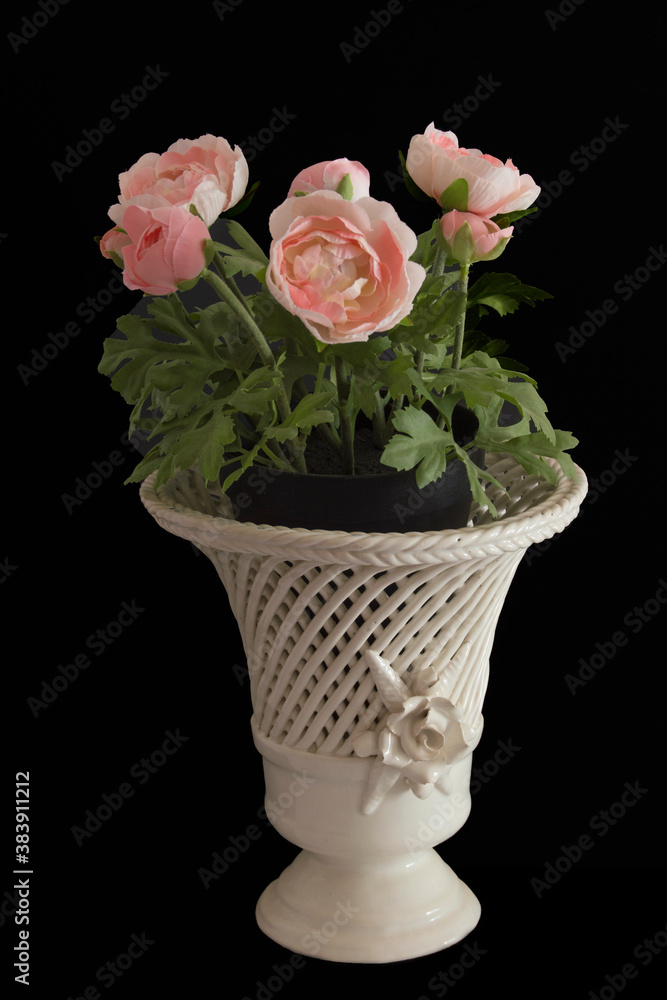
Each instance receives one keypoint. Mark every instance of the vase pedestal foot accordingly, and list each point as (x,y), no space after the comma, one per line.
(367,910)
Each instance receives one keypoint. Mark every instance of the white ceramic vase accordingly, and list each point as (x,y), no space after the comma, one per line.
(368,657)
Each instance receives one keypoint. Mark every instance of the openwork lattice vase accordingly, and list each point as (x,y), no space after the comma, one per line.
(368,657)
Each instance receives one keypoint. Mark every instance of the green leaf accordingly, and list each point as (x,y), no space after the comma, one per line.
(531,450)
(238,261)
(435,285)
(463,246)
(504,293)
(455,196)
(477,341)
(363,396)
(241,205)
(309,411)
(418,444)
(427,247)
(277,324)
(170,316)
(151,461)
(248,257)
(524,395)
(255,391)
(435,314)
(503,221)
(246,242)
(394,373)
(219,328)
(345,188)
(477,476)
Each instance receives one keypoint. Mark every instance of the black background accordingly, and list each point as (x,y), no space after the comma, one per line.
(554,81)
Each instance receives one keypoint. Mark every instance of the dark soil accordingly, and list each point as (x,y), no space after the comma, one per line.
(322,459)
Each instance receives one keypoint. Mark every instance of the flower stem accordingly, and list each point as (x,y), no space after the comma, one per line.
(220,264)
(346,432)
(439,262)
(227,295)
(419,366)
(460,330)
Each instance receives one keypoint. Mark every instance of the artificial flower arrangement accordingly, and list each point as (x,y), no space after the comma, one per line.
(351,314)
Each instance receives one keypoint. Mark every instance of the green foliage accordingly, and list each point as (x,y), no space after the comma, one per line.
(248,257)
(418,444)
(243,381)
(455,197)
(504,293)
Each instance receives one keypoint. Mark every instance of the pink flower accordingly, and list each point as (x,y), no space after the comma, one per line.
(111,245)
(435,160)
(471,237)
(342,266)
(328,174)
(204,172)
(167,247)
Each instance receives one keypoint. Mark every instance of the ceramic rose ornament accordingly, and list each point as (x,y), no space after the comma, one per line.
(352,317)
(420,737)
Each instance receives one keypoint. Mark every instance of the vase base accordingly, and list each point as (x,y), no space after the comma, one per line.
(367,910)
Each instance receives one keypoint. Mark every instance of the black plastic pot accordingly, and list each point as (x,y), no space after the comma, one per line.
(387,501)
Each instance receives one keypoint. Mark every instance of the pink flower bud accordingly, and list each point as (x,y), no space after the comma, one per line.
(327,175)
(166,248)
(111,246)
(471,237)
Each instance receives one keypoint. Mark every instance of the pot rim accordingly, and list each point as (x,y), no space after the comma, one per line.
(186,509)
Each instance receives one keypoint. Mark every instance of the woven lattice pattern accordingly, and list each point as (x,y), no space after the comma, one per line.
(310,603)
